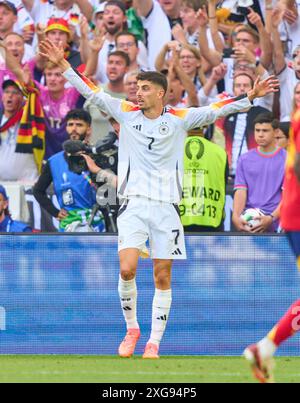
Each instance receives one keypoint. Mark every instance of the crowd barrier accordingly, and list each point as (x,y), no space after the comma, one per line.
(59,294)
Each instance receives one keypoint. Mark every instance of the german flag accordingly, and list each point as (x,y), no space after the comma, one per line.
(31,135)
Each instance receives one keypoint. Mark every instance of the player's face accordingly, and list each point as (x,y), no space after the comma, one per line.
(127,44)
(148,94)
(188,62)
(297,96)
(56,36)
(15,45)
(3,206)
(55,80)
(116,68)
(113,19)
(264,134)
(78,129)
(12,99)
(7,19)
(241,85)
(131,88)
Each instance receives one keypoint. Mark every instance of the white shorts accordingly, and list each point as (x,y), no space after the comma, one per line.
(141,219)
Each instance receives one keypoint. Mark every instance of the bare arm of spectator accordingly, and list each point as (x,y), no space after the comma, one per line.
(243,54)
(84,47)
(213,25)
(178,34)
(290,10)
(265,39)
(218,73)
(185,81)
(40,61)
(279,60)
(161,62)
(268,16)
(213,57)
(94,48)
(144,7)
(239,204)
(86,8)
(28,4)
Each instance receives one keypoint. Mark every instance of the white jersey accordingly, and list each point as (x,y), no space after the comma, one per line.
(151,150)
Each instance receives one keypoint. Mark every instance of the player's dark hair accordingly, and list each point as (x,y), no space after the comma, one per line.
(127,33)
(154,77)
(266,118)
(121,54)
(79,114)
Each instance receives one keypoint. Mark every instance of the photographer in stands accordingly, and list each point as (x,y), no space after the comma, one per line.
(7,224)
(74,188)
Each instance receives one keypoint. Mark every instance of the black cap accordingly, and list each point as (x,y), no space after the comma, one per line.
(117,3)
(9,83)
(9,5)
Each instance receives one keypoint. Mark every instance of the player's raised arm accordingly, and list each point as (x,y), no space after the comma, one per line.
(203,116)
(108,104)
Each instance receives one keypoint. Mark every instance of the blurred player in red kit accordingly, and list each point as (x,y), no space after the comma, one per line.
(260,355)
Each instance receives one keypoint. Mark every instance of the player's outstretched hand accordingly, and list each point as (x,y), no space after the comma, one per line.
(261,88)
(55,54)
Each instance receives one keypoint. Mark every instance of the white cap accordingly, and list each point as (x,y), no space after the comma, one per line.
(100,8)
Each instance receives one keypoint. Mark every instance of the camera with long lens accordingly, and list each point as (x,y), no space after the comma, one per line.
(104,153)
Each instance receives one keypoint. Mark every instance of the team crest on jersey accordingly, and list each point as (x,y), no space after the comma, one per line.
(164,128)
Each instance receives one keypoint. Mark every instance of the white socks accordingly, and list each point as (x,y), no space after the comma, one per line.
(128,297)
(160,312)
(160,308)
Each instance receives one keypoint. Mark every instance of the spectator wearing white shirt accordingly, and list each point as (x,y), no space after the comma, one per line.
(8,20)
(114,21)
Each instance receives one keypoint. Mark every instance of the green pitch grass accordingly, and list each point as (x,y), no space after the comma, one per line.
(99,369)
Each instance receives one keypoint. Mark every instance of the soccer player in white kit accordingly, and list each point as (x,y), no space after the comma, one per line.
(150,174)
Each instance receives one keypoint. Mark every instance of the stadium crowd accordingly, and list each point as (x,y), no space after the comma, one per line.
(209,50)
